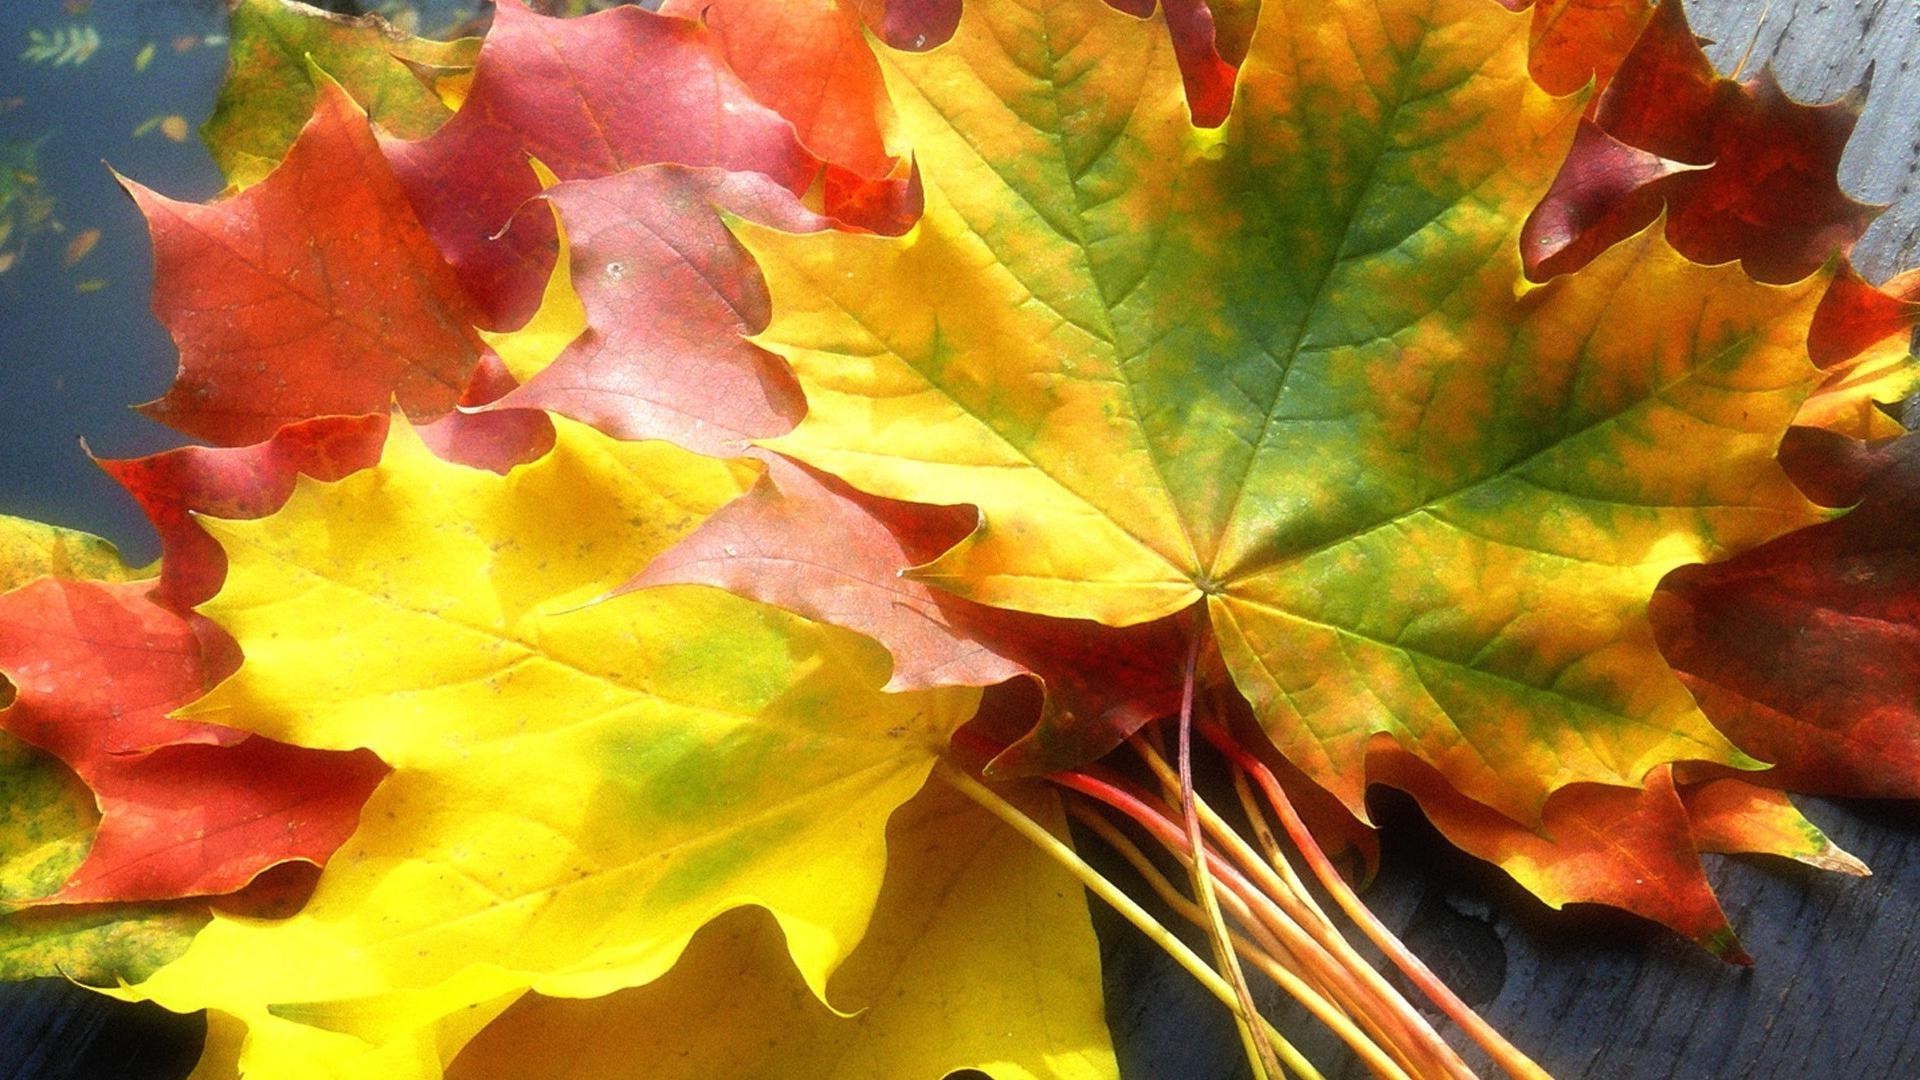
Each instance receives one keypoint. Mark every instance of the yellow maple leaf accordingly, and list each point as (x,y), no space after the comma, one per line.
(577,787)
(980,955)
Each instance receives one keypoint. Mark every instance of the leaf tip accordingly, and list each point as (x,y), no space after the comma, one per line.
(1838,860)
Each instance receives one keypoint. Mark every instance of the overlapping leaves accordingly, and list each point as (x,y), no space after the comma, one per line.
(1285,369)
(1020,347)
(576,790)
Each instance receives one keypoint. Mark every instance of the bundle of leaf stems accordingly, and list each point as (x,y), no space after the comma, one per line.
(1253,905)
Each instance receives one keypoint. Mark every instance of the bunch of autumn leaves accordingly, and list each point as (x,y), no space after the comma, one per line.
(609,674)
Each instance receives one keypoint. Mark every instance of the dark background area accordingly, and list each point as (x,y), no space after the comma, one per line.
(1587,992)
(71,363)
(1592,992)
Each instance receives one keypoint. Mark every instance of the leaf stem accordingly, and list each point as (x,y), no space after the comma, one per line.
(1259,1051)
(1285,886)
(1268,958)
(1504,1053)
(1269,843)
(1262,910)
(1061,853)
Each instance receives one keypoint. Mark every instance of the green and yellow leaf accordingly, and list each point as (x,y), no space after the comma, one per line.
(577,787)
(980,956)
(269,92)
(1291,368)
(29,550)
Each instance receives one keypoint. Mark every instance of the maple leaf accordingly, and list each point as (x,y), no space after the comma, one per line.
(46,823)
(639,330)
(1806,649)
(300,296)
(1577,41)
(1291,368)
(187,809)
(728,754)
(274,47)
(1735,817)
(1743,171)
(585,97)
(966,903)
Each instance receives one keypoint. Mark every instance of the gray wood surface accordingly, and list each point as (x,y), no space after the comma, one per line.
(1591,992)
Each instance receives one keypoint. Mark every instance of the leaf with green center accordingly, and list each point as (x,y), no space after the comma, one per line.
(269,92)
(716,753)
(967,904)
(1292,367)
